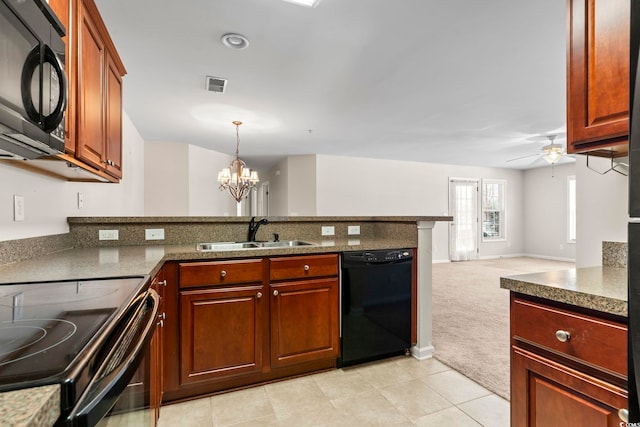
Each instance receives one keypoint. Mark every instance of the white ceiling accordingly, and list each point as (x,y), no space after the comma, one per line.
(451,81)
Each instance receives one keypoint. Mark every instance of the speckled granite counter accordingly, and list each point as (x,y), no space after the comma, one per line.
(17,407)
(598,288)
(120,261)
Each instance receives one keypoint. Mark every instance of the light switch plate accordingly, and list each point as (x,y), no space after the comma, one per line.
(18,207)
(328,230)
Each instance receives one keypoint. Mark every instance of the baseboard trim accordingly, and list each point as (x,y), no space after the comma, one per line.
(422,353)
(551,258)
(440,261)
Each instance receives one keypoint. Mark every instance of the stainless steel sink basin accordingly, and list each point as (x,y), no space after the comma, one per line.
(235,246)
(285,244)
(226,246)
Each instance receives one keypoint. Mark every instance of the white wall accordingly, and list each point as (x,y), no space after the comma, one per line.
(421,190)
(181,181)
(545,212)
(602,206)
(49,201)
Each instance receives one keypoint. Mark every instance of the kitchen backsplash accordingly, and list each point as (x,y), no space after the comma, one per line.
(614,254)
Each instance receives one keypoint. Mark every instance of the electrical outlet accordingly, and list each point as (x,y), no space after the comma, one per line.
(154,234)
(353,229)
(328,230)
(18,208)
(107,234)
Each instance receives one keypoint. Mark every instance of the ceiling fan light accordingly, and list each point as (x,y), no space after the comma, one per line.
(553,154)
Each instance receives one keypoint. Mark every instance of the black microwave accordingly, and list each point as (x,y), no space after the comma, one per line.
(33,85)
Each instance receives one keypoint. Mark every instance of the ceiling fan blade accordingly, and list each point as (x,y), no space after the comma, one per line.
(523,157)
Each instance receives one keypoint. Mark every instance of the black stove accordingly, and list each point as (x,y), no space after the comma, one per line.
(57,332)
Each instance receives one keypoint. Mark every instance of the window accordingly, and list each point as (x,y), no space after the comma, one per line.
(493,210)
(571,209)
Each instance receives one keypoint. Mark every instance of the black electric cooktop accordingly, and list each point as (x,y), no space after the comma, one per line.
(47,328)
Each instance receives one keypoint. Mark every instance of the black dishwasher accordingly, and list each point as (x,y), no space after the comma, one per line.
(375,304)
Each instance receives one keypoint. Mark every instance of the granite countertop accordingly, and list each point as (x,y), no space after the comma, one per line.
(122,261)
(598,288)
(17,407)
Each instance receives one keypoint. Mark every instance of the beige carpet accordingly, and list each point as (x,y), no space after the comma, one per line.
(471,316)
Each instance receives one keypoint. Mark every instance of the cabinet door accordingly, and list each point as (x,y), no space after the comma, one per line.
(221,332)
(598,74)
(304,321)
(546,393)
(91,65)
(113,109)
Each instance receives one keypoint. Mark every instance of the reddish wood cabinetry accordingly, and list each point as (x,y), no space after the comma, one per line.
(235,326)
(304,309)
(598,77)
(565,365)
(94,70)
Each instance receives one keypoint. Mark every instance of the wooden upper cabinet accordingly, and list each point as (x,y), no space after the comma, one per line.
(113,107)
(100,71)
(598,76)
(94,70)
(90,92)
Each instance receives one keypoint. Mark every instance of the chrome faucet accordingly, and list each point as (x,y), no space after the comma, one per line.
(253,228)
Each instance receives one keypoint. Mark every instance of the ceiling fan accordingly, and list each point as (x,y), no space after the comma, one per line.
(551,152)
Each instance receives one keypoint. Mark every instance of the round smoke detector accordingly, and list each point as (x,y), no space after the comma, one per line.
(235,41)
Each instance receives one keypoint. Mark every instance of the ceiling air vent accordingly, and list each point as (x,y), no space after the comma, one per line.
(216,84)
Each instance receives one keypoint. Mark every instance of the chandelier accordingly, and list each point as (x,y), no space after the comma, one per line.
(237,178)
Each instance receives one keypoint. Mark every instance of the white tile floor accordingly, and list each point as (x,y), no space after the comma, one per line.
(395,392)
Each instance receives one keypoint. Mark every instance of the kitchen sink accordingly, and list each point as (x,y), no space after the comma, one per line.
(226,246)
(285,244)
(234,246)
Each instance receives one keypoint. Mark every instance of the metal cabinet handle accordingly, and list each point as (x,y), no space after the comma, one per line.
(162,283)
(563,336)
(162,316)
(275,293)
(306,267)
(160,323)
(623,414)
(259,295)
(223,273)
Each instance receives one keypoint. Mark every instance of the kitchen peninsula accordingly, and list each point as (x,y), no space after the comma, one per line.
(569,346)
(81,254)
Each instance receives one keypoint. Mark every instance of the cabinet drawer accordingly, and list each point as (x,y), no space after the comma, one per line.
(598,342)
(298,267)
(226,272)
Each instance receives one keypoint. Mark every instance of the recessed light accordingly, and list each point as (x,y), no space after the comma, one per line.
(306,3)
(235,41)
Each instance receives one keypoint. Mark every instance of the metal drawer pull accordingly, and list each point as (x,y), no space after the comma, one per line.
(259,295)
(623,414)
(275,293)
(162,283)
(306,267)
(563,336)
(223,273)
(162,316)
(160,323)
